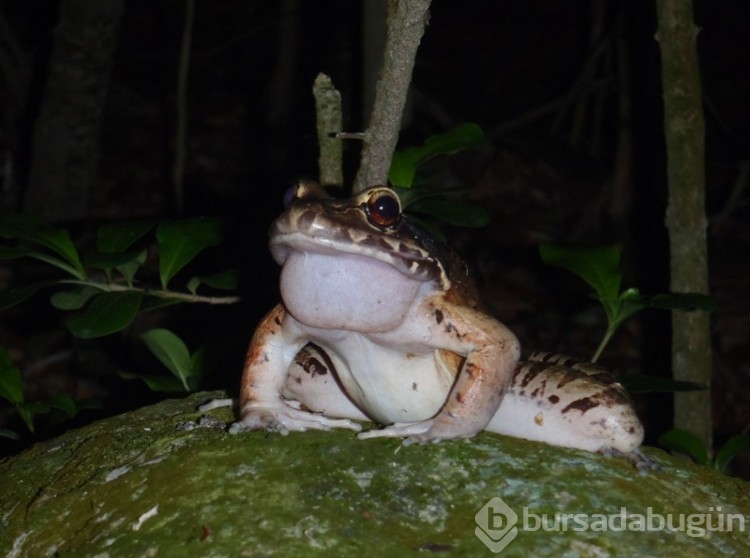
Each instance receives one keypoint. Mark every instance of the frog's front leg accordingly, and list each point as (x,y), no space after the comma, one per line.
(272,350)
(491,352)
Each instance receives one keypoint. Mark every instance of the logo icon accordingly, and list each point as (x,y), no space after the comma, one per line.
(496,525)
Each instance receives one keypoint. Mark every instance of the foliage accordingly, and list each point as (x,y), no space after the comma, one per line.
(600,268)
(100,290)
(416,193)
(682,441)
(186,370)
(104,291)
(11,389)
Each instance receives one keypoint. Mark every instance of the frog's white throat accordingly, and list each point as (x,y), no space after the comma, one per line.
(346,291)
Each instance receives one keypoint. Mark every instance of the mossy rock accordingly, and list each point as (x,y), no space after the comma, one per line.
(154,483)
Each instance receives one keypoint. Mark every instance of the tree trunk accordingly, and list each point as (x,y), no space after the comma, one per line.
(66,134)
(686,219)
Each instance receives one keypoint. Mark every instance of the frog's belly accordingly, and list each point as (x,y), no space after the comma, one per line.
(387,386)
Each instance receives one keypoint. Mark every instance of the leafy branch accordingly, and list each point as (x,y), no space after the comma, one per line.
(418,196)
(101,290)
(101,285)
(11,389)
(600,268)
(186,369)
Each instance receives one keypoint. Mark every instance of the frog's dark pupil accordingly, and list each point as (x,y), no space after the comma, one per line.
(384,210)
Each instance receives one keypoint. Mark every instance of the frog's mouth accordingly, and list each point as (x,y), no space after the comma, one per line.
(411,261)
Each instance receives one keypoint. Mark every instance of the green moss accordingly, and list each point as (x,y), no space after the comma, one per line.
(142,484)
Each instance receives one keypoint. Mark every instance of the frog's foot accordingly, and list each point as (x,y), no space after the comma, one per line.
(637,458)
(420,432)
(216,404)
(284,417)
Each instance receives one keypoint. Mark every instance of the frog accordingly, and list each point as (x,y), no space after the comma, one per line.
(381,323)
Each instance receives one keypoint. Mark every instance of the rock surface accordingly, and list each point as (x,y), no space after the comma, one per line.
(154,483)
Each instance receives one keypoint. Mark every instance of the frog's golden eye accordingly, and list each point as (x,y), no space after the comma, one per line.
(383,209)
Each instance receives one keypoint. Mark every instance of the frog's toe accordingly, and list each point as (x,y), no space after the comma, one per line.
(405,430)
(636,457)
(216,404)
(283,418)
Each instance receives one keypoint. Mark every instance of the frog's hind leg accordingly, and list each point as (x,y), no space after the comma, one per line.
(313,384)
(554,402)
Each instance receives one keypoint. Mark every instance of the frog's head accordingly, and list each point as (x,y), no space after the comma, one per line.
(353,264)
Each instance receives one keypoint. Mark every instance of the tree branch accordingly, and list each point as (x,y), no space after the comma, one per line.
(406,23)
(157,293)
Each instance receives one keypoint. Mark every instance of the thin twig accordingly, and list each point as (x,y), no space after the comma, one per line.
(328,117)
(158,293)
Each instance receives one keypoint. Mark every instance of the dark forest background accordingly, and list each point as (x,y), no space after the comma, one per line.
(568,94)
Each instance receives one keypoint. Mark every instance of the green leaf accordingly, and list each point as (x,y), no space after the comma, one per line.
(27,416)
(733,446)
(69,407)
(10,298)
(118,237)
(411,196)
(627,308)
(57,262)
(226,280)
(685,442)
(157,303)
(161,384)
(644,383)
(129,269)
(204,361)
(682,301)
(75,298)
(403,168)
(180,241)
(65,404)
(34,407)
(463,136)
(11,388)
(599,267)
(5,433)
(451,211)
(110,261)
(405,162)
(29,409)
(171,352)
(58,240)
(106,313)
(10,253)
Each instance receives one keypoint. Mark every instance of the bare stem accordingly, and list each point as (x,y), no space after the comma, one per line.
(328,116)
(158,293)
